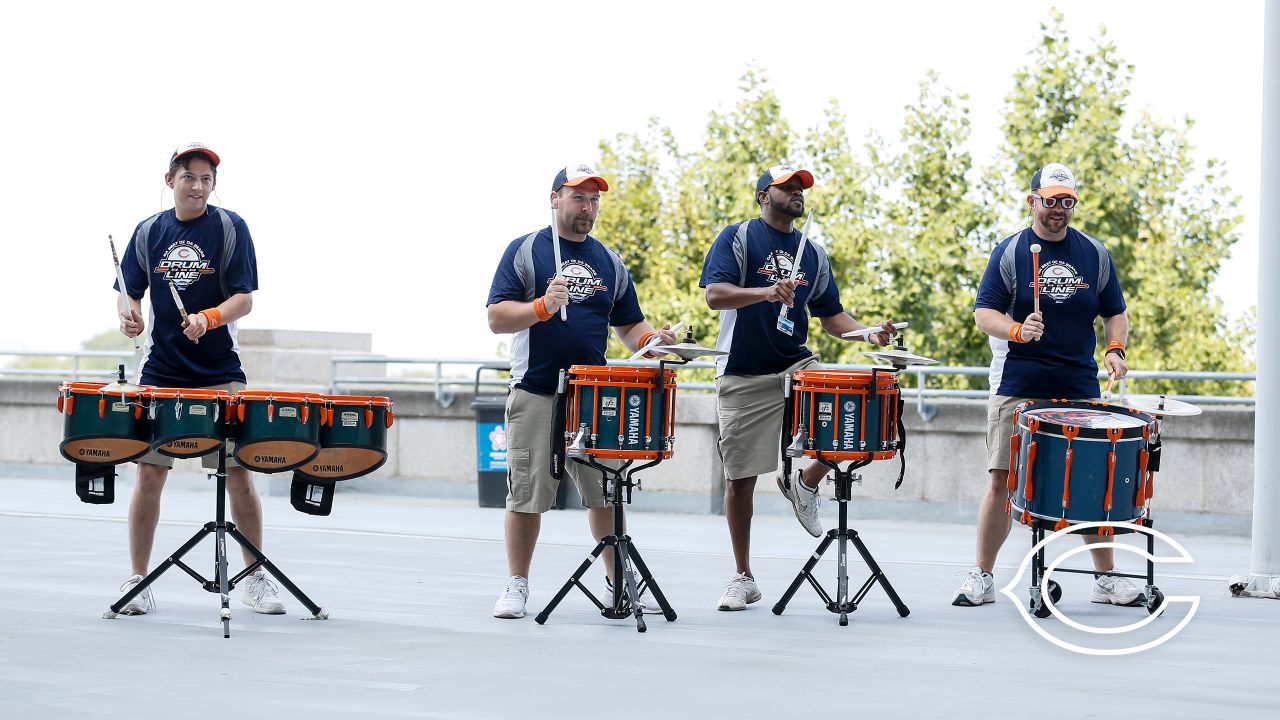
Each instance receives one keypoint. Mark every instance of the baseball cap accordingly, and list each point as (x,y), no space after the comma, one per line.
(1054,179)
(196,147)
(779,174)
(575,174)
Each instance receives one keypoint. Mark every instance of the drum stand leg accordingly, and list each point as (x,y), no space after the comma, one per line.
(222,583)
(842,604)
(627,583)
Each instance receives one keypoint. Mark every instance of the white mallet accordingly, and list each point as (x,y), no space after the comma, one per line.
(1035,277)
(555,244)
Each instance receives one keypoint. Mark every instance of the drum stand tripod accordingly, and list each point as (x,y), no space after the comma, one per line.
(221,583)
(842,534)
(626,587)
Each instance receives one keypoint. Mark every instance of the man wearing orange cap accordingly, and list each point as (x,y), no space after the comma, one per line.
(747,273)
(526,298)
(1042,355)
(206,252)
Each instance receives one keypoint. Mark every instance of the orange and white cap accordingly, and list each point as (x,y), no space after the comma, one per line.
(575,174)
(1053,180)
(195,147)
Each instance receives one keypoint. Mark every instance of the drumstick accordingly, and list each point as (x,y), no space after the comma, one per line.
(872,330)
(1106,393)
(655,340)
(785,324)
(124,296)
(555,244)
(1035,276)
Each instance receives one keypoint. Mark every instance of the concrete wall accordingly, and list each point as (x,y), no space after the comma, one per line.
(1208,465)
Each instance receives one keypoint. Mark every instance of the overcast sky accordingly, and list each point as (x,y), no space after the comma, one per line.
(383,154)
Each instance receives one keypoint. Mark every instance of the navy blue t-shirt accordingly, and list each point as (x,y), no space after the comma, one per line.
(208,259)
(1061,364)
(600,294)
(750,334)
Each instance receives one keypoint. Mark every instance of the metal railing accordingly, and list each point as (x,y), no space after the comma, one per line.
(443,385)
(77,370)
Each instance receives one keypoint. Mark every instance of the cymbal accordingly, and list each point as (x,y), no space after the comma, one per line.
(116,387)
(688,351)
(1161,405)
(900,358)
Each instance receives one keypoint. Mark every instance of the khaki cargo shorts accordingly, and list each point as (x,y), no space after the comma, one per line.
(530,487)
(749,408)
(210,461)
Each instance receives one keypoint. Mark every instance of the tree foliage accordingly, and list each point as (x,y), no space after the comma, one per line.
(910,222)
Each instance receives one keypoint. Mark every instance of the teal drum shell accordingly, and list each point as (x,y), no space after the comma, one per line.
(1081,490)
(276,431)
(187,423)
(353,437)
(619,413)
(103,427)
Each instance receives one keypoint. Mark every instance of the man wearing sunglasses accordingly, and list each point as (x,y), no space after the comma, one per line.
(1046,354)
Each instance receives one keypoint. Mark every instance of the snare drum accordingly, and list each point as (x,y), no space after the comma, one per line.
(103,426)
(846,414)
(276,431)
(353,437)
(616,412)
(187,423)
(1078,461)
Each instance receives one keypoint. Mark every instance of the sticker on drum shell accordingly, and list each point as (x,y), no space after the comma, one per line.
(120,407)
(350,418)
(289,412)
(197,410)
(609,406)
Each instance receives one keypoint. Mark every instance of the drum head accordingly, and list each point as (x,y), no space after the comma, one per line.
(1088,418)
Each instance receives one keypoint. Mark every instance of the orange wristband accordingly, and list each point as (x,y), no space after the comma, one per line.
(213,317)
(1117,346)
(540,309)
(644,339)
(1015,333)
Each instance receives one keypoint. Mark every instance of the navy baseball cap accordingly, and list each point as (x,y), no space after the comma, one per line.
(779,174)
(193,148)
(576,174)
(1053,180)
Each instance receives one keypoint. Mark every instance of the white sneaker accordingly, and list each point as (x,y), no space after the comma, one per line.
(142,603)
(514,596)
(804,500)
(261,594)
(645,601)
(1115,591)
(738,593)
(978,588)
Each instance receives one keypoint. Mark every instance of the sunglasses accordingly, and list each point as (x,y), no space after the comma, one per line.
(1067,202)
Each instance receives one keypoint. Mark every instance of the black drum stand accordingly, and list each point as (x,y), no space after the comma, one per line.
(842,535)
(628,584)
(222,583)
(1152,597)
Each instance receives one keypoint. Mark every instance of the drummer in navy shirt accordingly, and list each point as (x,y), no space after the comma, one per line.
(747,275)
(207,253)
(1044,355)
(527,294)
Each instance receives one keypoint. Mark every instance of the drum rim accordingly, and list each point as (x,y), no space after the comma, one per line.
(1050,426)
(623,372)
(884,378)
(273,395)
(360,400)
(94,388)
(188,393)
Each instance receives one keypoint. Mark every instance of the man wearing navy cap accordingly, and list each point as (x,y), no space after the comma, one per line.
(746,275)
(207,253)
(527,294)
(1042,355)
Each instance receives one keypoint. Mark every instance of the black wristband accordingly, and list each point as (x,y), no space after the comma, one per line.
(1118,351)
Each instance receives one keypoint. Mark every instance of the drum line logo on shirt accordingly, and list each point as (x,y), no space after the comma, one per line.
(777,266)
(1059,280)
(582,279)
(183,263)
